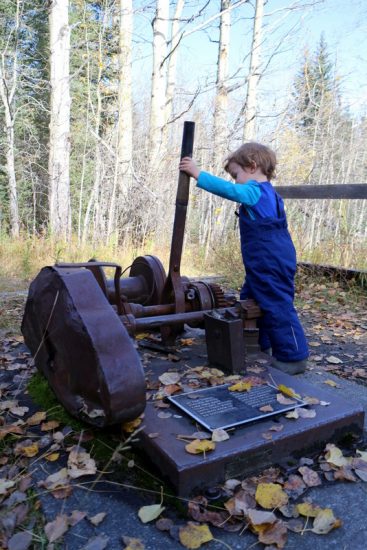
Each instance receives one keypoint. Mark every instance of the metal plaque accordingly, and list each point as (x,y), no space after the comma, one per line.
(220,408)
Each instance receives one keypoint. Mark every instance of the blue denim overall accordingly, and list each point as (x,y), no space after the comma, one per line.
(269,258)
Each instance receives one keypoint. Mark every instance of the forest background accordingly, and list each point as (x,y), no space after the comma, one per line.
(93,95)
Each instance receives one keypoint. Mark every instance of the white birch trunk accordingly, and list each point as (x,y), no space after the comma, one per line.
(221,98)
(171,71)
(7,93)
(158,94)
(249,131)
(125,123)
(59,156)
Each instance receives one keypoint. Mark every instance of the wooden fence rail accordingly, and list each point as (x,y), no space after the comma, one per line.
(335,191)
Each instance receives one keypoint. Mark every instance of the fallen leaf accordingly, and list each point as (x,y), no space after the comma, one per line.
(27,448)
(306,413)
(75,517)
(276,428)
(219,435)
(5,484)
(311,400)
(335,456)
(192,536)
(98,518)
(259,517)
(361,474)
(170,378)
(10,429)
(289,392)
(294,486)
(130,427)
(331,383)
(163,414)
(270,495)
(52,457)
(325,521)
(310,477)
(333,360)
(150,513)
(51,425)
(241,386)
(19,411)
(20,541)
(36,418)
(187,341)
(362,454)
(344,474)
(56,480)
(133,543)
(57,528)
(80,463)
(274,534)
(292,414)
(200,446)
(266,408)
(308,509)
(284,400)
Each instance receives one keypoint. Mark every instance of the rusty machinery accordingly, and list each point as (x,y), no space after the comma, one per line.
(78,324)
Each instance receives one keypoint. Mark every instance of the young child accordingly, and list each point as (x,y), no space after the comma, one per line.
(267,249)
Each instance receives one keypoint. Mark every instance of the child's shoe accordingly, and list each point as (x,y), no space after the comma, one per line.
(293,367)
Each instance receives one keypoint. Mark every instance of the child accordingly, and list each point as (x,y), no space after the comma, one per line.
(267,249)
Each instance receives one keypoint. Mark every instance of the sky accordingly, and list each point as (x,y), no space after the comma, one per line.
(342,23)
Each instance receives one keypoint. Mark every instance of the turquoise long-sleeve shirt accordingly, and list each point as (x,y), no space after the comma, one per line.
(248,194)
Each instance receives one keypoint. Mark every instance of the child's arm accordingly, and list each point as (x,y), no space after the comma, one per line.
(247,194)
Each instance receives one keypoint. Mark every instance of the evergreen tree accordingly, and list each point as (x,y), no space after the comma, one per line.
(314,86)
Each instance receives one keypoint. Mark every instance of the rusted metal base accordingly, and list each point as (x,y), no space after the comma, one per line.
(246,451)
(81,346)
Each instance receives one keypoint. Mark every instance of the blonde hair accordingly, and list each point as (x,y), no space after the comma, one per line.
(251,154)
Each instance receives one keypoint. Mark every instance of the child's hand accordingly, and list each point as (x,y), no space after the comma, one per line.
(188,165)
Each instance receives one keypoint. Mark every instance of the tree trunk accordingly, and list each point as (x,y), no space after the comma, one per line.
(158,94)
(171,72)
(8,88)
(59,182)
(249,132)
(221,99)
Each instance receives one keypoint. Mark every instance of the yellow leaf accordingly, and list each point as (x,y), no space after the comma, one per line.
(130,427)
(187,341)
(52,457)
(200,446)
(150,513)
(241,386)
(331,383)
(325,521)
(271,495)
(308,509)
(193,536)
(335,456)
(142,335)
(29,451)
(288,391)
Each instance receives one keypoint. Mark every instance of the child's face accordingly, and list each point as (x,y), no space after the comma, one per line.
(239,173)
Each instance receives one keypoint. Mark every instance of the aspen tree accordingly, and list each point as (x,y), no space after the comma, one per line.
(8,87)
(59,154)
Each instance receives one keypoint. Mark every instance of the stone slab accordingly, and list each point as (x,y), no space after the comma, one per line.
(246,451)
